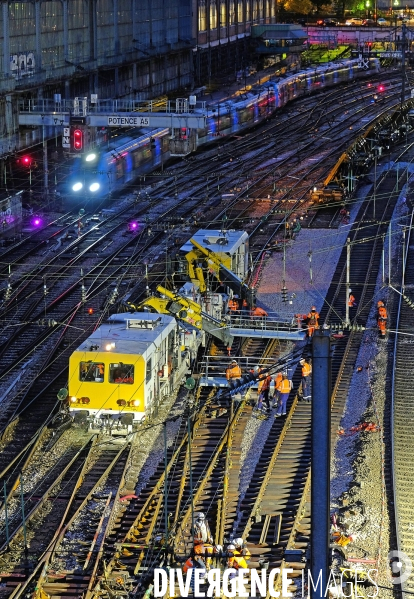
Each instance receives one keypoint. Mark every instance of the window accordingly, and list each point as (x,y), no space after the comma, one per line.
(92,372)
(240,11)
(247,11)
(202,15)
(121,374)
(148,371)
(213,14)
(223,14)
(232,15)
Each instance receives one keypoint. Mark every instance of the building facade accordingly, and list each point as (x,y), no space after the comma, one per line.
(113,48)
(222,29)
(119,48)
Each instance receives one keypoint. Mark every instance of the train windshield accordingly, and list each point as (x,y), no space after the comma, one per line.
(93,372)
(121,373)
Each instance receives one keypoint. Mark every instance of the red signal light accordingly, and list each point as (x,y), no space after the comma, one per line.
(381,88)
(77,140)
(25,161)
(90,310)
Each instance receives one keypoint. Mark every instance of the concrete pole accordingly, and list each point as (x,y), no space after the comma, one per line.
(403,44)
(45,165)
(320,456)
(348,263)
(6,38)
(375,182)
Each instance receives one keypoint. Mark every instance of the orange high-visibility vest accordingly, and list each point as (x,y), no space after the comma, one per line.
(265,383)
(278,380)
(285,386)
(306,369)
(382,312)
(233,373)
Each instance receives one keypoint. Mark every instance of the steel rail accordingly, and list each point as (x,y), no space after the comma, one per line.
(33,512)
(403,529)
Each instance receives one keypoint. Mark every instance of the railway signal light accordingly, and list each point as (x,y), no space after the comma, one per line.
(25,161)
(284,294)
(76,139)
(90,310)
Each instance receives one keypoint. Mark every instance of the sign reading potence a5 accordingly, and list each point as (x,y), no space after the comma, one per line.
(129,121)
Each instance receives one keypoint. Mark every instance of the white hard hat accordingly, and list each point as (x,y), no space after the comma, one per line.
(231,547)
(200,516)
(238,542)
(350,290)
(218,548)
(302,361)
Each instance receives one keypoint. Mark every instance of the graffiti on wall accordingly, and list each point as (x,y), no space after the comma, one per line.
(22,65)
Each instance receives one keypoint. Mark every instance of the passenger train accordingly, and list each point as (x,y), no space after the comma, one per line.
(109,169)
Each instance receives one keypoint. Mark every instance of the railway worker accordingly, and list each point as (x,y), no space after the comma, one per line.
(203,540)
(306,378)
(236,559)
(382,318)
(241,549)
(351,300)
(313,321)
(192,563)
(201,529)
(284,388)
(124,379)
(99,371)
(258,312)
(233,371)
(233,304)
(276,395)
(263,389)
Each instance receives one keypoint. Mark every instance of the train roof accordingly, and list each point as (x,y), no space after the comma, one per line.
(217,241)
(143,329)
(128,143)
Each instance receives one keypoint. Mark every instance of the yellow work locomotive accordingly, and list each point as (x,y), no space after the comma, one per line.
(127,366)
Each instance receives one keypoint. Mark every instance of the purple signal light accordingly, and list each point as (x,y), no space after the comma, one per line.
(37,221)
(133,226)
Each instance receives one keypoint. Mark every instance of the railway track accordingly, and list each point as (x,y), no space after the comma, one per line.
(68,534)
(402,414)
(56,373)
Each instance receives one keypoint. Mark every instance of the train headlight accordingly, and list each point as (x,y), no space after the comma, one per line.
(94,187)
(108,346)
(73,399)
(77,186)
(135,403)
(84,400)
(90,157)
(121,402)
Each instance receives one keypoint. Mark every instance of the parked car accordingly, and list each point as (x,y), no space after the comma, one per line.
(354,21)
(369,23)
(326,22)
(381,22)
